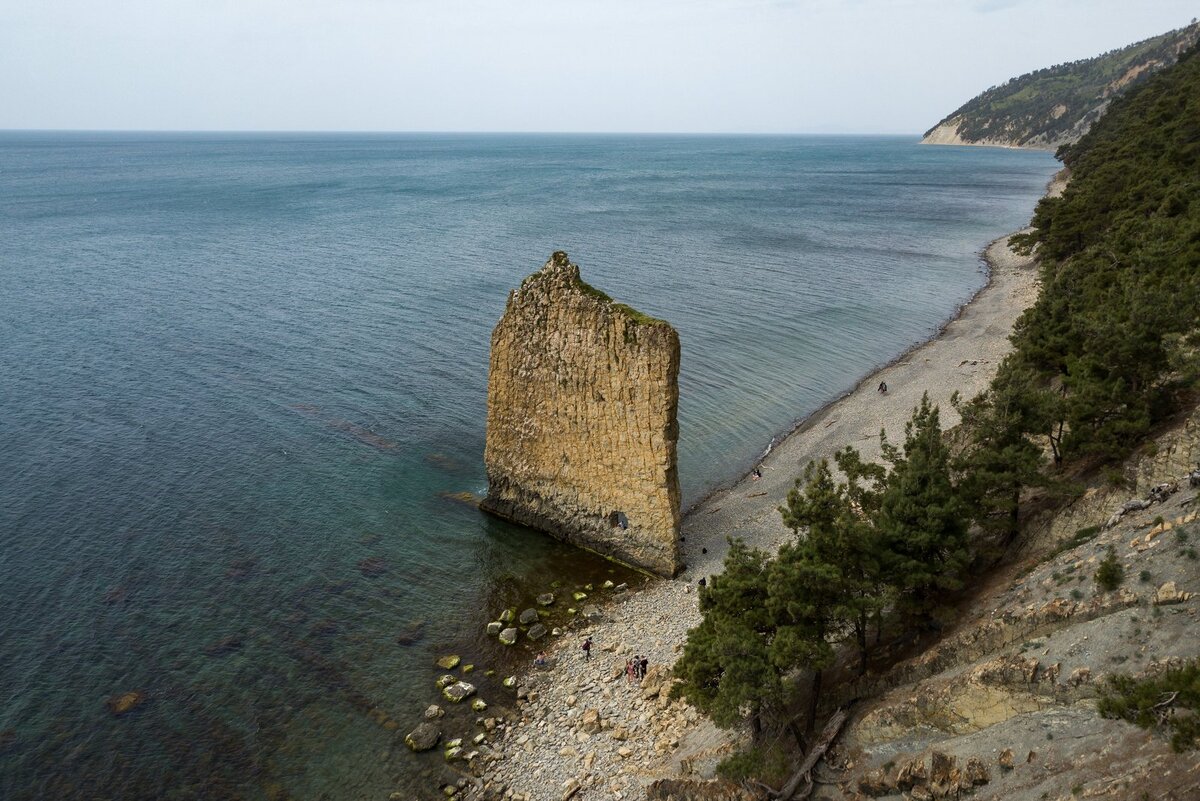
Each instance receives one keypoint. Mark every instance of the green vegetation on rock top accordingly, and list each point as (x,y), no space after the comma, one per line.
(560,259)
(1056,104)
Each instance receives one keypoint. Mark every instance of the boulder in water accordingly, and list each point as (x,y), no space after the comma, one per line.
(423,737)
(536,632)
(545,599)
(458,691)
(125,702)
(412,633)
(449,662)
(528,617)
(508,636)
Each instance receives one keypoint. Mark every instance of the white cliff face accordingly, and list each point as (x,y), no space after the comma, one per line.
(582,430)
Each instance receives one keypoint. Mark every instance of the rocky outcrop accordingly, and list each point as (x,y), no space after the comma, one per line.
(581,431)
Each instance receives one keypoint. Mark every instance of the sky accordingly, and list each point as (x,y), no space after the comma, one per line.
(753,66)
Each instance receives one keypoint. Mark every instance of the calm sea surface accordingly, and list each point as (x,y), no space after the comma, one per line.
(241,375)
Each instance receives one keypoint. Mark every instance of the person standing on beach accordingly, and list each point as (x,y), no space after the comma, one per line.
(642,667)
(587,650)
(629,671)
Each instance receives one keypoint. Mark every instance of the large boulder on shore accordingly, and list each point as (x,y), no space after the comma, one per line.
(423,737)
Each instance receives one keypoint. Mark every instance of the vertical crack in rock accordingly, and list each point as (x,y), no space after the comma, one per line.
(581,428)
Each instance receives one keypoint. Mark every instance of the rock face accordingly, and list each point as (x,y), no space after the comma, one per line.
(582,429)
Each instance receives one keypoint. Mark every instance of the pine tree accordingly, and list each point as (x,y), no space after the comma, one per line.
(922,523)
(726,666)
(840,532)
(1001,459)
(804,596)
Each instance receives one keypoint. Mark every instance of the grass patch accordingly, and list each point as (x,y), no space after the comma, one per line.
(1078,538)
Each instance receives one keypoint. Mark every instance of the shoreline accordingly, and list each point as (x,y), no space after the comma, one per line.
(864,380)
(581,728)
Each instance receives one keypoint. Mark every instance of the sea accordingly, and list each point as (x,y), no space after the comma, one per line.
(242,410)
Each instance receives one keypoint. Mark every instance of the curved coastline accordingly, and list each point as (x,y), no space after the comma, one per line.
(546,747)
(800,423)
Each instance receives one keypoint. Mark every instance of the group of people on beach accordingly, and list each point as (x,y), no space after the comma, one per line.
(635,669)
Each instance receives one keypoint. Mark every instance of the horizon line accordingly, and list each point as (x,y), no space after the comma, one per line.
(390,132)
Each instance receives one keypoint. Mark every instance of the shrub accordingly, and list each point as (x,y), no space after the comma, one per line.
(1110,574)
(1157,703)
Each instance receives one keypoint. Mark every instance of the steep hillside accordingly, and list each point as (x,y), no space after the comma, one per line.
(1057,105)
(1005,706)
(1034,693)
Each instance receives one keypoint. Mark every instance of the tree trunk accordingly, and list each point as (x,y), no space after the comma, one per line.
(861,631)
(798,734)
(812,704)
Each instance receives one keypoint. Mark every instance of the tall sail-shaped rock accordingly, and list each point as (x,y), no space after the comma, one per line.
(581,428)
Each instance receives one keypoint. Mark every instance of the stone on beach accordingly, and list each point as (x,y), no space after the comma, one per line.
(545,599)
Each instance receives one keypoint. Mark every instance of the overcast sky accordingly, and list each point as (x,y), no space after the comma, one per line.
(800,66)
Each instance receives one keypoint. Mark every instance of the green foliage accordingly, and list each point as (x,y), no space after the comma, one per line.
(1001,458)
(840,545)
(922,522)
(726,667)
(1113,334)
(1110,573)
(1078,538)
(1048,104)
(765,763)
(1167,703)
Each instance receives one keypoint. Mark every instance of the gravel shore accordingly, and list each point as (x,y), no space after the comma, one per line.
(582,730)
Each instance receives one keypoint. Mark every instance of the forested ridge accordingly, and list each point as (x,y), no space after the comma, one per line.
(1057,104)
(1110,349)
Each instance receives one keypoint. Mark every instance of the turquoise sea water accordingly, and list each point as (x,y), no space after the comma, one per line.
(239,374)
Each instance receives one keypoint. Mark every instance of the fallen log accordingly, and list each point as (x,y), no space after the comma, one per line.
(803,774)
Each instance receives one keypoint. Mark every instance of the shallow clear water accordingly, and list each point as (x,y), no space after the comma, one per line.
(239,375)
